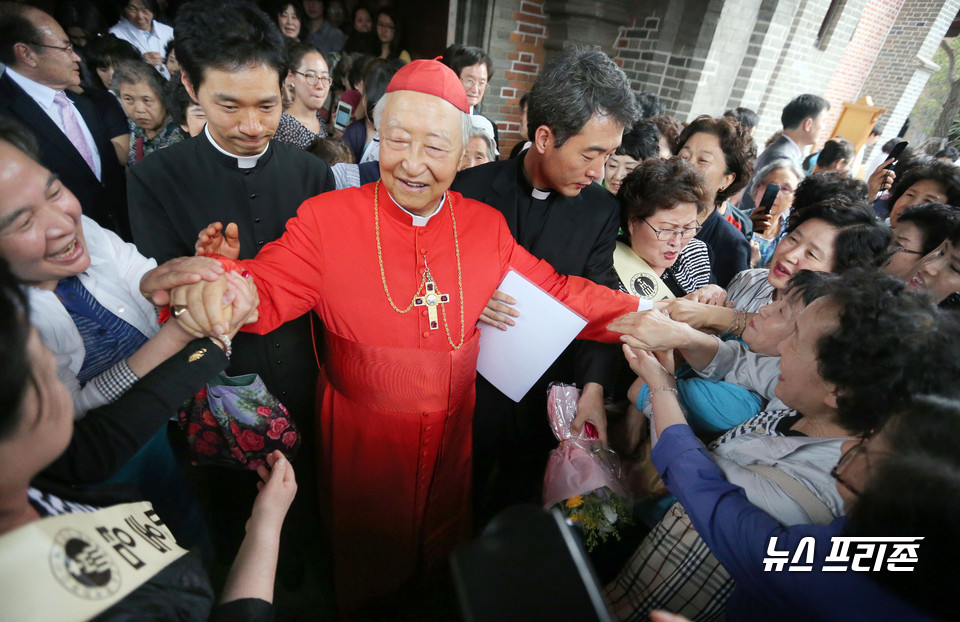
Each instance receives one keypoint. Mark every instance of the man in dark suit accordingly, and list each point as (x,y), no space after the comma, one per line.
(556,211)
(801,120)
(34,90)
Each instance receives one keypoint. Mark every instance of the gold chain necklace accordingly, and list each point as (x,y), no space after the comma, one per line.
(426,272)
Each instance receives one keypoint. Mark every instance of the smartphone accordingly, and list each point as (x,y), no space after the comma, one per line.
(342,118)
(895,153)
(769,196)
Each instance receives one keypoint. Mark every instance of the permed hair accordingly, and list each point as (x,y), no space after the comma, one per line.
(739,153)
(228,35)
(669,129)
(828,185)
(746,117)
(800,108)
(659,185)
(860,241)
(650,105)
(944,173)
(575,86)
(640,142)
(934,221)
(914,489)
(890,344)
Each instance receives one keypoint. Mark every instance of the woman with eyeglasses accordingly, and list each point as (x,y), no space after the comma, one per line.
(302,123)
(920,230)
(938,272)
(390,35)
(660,203)
(845,370)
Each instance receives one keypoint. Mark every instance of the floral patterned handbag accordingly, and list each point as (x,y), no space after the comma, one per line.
(236,422)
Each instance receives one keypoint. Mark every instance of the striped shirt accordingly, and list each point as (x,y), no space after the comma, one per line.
(750,290)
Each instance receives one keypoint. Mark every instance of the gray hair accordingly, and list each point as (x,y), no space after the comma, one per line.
(777,164)
(140,72)
(476,132)
(466,127)
(575,86)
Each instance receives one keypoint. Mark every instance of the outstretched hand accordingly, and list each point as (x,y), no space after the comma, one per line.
(214,239)
(156,284)
(649,330)
(709,295)
(277,490)
(654,368)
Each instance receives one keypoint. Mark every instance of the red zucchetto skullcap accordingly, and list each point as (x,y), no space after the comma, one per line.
(433,78)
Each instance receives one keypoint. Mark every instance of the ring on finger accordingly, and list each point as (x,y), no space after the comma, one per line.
(177,310)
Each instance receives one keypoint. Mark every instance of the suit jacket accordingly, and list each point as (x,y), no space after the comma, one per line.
(103,199)
(782,148)
(577,239)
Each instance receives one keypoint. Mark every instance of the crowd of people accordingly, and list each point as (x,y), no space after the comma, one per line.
(238,241)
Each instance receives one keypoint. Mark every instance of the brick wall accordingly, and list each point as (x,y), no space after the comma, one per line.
(858,58)
(905,61)
(518,31)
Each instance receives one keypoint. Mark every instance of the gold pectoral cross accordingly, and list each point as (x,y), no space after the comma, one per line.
(430,300)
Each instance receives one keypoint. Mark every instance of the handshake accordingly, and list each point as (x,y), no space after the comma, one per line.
(204,298)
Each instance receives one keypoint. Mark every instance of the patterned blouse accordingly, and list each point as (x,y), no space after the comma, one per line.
(294,133)
(141,146)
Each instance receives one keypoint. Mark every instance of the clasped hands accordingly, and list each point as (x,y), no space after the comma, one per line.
(205,299)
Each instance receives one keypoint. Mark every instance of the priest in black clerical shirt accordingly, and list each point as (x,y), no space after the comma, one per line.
(232,60)
(556,211)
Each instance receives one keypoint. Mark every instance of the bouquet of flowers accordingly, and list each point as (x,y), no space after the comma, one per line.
(583,475)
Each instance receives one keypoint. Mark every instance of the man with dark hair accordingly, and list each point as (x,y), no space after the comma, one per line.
(34,90)
(577,111)
(801,123)
(232,60)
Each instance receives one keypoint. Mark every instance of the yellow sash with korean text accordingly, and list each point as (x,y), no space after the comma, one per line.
(75,566)
(637,276)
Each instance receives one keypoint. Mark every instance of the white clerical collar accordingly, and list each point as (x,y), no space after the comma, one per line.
(540,195)
(242,161)
(419,221)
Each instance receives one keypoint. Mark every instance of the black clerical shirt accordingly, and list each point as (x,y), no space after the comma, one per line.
(178,191)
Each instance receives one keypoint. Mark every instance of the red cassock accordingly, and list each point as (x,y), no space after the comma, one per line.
(397,414)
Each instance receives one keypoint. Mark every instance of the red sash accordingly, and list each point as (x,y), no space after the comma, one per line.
(396,435)
(402,380)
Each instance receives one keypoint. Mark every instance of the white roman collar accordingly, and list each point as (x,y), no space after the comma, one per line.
(419,221)
(242,161)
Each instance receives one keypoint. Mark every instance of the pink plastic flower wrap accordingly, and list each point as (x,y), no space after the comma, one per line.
(583,475)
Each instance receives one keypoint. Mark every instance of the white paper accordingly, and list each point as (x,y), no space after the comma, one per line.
(513,359)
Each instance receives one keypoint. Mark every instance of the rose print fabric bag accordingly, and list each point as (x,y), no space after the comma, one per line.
(236,422)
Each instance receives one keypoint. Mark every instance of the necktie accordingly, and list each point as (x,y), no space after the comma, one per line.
(71,128)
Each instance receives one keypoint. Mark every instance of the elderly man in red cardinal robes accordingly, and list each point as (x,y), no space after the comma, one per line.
(400,271)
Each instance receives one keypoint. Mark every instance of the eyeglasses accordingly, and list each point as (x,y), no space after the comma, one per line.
(68,48)
(469,83)
(897,248)
(313,78)
(844,461)
(669,234)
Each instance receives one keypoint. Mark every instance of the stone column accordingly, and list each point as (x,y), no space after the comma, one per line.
(586,21)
